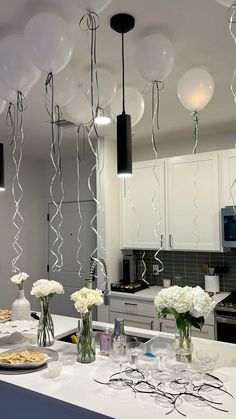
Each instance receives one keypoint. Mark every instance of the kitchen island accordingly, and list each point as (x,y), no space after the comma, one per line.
(76,386)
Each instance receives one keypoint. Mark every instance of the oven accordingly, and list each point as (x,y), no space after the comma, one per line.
(225,319)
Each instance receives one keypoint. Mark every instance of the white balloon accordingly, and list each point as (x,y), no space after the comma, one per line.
(195,89)
(226,3)
(154,57)
(106,88)
(49,42)
(6,93)
(64,86)
(92,5)
(16,67)
(2,105)
(134,104)
(78,110)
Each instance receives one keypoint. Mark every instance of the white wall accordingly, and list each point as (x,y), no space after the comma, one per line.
(32,239)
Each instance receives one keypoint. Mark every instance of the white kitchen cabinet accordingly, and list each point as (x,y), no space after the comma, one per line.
(135,312)
(193,202)
(169,326)
(143,206)
(227,177)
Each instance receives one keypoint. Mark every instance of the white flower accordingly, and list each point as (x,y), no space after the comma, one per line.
(85,298)
(181,300)
(19,278)
(202,303)
(44,287)
(175,298)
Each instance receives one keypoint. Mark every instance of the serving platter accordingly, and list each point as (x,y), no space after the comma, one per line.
(20,368)
(5,315)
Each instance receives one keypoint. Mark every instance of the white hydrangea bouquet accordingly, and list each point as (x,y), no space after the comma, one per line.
(84,300)
(19,279)
(44,289)
(189,305)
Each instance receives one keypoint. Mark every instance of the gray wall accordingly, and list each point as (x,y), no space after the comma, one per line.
(32,239)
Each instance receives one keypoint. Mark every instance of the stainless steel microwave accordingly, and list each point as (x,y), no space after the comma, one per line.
(228,223)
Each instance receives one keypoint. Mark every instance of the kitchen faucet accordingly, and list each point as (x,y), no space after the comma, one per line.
(107,291)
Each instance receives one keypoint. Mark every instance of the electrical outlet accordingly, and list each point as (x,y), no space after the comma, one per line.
(155,269)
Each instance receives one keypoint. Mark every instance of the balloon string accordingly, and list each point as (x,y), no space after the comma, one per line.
(61,185)
(99,206)
(56,220)
(156,88)
(11,121)
(90,22)
(196,218)
(231,21)
(195,116)
(132,206)
(82,128)
(144,269)
(16,121)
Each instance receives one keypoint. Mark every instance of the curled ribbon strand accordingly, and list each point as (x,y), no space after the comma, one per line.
(15,120)
(157,86)
(81,128)
(195,116)
(56,220)
(230,14)
(97,202)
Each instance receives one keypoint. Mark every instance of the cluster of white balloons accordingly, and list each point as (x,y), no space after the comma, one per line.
(47,46)
(24,58)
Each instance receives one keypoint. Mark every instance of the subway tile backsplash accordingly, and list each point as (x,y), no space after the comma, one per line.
(188,265)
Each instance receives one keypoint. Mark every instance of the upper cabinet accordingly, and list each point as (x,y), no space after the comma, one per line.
(143,206)
(193,202)
(227,177)
(173,204)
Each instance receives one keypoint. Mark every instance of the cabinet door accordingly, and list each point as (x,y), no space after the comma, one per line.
(193,202)
(143,206)
(169,326)
(140,322)
(227,176)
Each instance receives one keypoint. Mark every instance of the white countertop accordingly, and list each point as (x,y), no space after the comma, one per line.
(149,294)
(76,385)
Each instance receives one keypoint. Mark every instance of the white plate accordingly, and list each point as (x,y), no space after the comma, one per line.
(18,326)
(25,365)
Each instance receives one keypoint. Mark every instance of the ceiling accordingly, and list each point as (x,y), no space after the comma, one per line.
(199,33)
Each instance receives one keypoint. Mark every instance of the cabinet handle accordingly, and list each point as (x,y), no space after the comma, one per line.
(160,326)
(131,304)
(152,323)
(170,240)
(162,240)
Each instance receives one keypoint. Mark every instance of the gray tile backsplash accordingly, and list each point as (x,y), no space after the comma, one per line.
(189,266)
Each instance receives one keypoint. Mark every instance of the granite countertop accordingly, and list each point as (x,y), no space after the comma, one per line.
(149,294)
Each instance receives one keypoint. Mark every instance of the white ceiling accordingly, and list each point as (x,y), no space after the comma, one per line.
(199,32)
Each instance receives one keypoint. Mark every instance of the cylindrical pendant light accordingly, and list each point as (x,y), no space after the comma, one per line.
(2,185)
(123,23)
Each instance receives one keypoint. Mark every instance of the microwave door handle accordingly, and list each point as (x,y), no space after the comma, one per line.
(225,319)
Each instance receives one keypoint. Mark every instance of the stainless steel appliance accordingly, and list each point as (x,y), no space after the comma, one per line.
(129,269)
(225,319)
(228,223)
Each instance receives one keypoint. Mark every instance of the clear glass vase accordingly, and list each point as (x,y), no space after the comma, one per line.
(183,345)
(45,335)
(86,350)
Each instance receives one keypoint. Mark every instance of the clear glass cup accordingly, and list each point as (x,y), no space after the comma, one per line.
(54,368)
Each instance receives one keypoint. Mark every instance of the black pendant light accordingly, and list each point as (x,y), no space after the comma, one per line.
(123,23)
(2,187)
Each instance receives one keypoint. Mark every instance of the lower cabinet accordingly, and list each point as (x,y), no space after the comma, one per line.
(135,312)
(141,313)
(142,322)
(169,326)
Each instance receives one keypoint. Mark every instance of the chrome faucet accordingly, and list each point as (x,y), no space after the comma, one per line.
(107,291)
